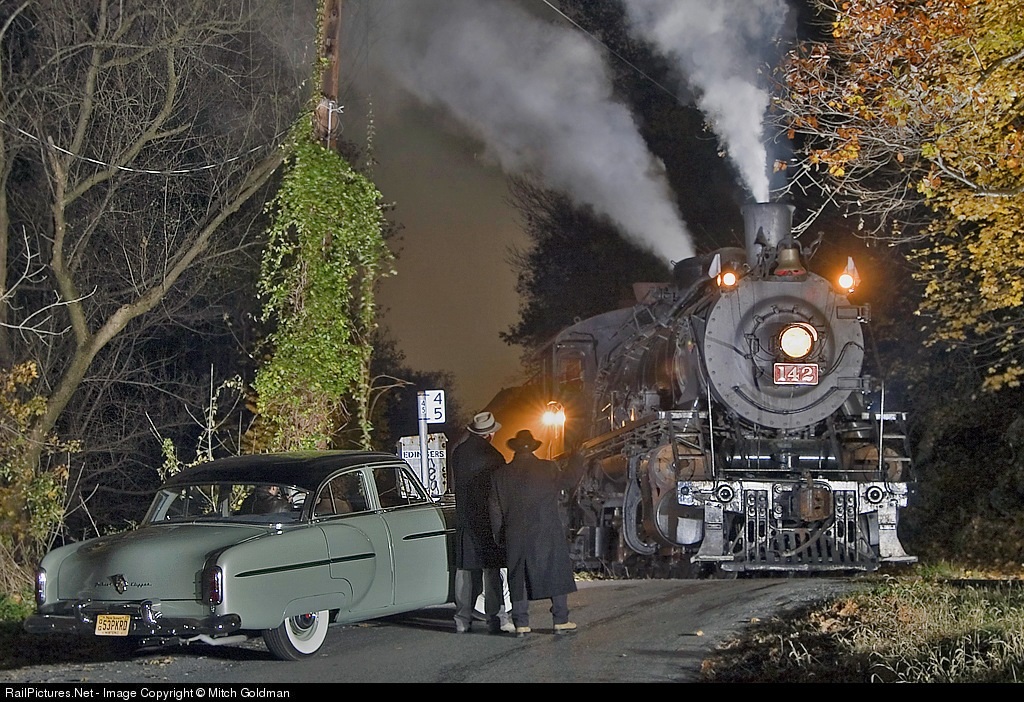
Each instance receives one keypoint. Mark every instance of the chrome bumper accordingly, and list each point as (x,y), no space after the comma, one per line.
(80,618)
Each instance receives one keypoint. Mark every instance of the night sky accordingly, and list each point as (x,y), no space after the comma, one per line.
(463,92)
(454,291)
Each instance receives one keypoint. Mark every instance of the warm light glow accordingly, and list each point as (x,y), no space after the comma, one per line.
(728,279)
(554,415)
(849,279)
(797,340)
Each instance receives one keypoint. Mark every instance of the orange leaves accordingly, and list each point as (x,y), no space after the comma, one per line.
(916,106)
(846,149)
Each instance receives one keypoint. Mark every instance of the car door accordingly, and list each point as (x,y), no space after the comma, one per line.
(358,541)
(418,541)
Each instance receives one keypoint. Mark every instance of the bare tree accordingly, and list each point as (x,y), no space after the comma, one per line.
(137,139)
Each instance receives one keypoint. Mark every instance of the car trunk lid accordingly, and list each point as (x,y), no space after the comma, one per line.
(162,561)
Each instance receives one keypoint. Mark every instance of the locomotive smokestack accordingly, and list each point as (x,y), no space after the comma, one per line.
(767,224)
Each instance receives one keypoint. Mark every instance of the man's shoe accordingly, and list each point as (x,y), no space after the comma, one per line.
(462,627)
(508,627)
(565,628)
(522,631)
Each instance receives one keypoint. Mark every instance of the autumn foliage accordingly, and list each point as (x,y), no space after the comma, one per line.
(909,114)
(31,496)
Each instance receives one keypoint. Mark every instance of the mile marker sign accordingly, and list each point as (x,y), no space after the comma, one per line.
(431,406)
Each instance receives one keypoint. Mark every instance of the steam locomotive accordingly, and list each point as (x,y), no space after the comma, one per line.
(723,424)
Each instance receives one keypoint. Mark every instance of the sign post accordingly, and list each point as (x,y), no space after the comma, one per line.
(430,404)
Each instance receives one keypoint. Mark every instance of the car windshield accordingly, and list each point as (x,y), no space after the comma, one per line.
(265,503)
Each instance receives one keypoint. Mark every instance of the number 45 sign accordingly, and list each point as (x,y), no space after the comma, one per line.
(431,406)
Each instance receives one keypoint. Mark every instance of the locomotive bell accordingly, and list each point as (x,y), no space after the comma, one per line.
(789,263)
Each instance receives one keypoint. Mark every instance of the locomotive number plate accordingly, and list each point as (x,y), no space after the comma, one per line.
(112,624)
(796,373)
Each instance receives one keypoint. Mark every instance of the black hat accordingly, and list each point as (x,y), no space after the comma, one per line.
(523,441)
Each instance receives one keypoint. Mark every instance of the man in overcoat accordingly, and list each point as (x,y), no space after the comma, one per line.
(525,519)
(478,559)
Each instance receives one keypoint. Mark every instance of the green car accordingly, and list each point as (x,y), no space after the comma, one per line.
(277,545)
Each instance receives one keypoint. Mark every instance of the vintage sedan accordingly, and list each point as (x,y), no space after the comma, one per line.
(273,544)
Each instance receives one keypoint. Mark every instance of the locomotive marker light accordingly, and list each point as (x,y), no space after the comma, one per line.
(724,278)
(849,279)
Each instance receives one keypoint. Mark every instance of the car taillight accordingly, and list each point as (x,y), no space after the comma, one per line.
(213,585)
(40,587)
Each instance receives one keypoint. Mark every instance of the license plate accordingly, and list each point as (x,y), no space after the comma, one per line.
(113,624)
(796,373)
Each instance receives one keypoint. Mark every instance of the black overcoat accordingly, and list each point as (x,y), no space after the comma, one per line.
(526,520)
(472,464)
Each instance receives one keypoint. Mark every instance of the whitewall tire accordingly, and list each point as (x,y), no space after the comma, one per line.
(298,637)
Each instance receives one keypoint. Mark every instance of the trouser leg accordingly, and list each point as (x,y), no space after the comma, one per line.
(521,612)
(468,584)
(492,595)
(507,599)
(560,609)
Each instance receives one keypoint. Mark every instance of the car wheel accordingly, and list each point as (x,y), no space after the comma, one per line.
(298,637)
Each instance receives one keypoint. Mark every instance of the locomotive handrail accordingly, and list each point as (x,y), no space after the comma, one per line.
(642,421)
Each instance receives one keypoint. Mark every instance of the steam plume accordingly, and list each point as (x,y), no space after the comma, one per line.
(716,44)
(539,97)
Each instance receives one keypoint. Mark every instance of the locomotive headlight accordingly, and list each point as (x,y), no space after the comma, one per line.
(797,340)
(727,279)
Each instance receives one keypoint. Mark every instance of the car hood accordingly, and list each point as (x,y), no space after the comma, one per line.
(157,562)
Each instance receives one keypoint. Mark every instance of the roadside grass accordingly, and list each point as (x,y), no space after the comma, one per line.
(935,625)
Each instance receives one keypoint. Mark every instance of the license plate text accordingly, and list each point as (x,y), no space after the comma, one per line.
(113,624)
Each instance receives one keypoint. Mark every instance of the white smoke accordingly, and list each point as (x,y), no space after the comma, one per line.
(539,96)
(717,45)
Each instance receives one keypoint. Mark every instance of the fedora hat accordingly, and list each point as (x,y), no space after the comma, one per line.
(523,441)
(484,424)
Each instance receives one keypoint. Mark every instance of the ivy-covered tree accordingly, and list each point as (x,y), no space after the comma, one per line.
(325,254)
(909,114)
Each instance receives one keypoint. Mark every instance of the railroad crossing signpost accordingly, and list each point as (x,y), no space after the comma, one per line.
(431,410)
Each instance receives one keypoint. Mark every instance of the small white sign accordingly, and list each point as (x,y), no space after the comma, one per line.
(432,471)
(431,406)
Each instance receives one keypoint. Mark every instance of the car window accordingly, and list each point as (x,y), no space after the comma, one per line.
(396,488)
(343,494)
(227,501)
(189,502)
(264,499)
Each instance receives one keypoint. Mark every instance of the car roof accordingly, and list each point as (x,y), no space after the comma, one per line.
(304,469)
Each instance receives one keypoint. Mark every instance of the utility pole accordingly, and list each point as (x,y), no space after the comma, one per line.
(327,115)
